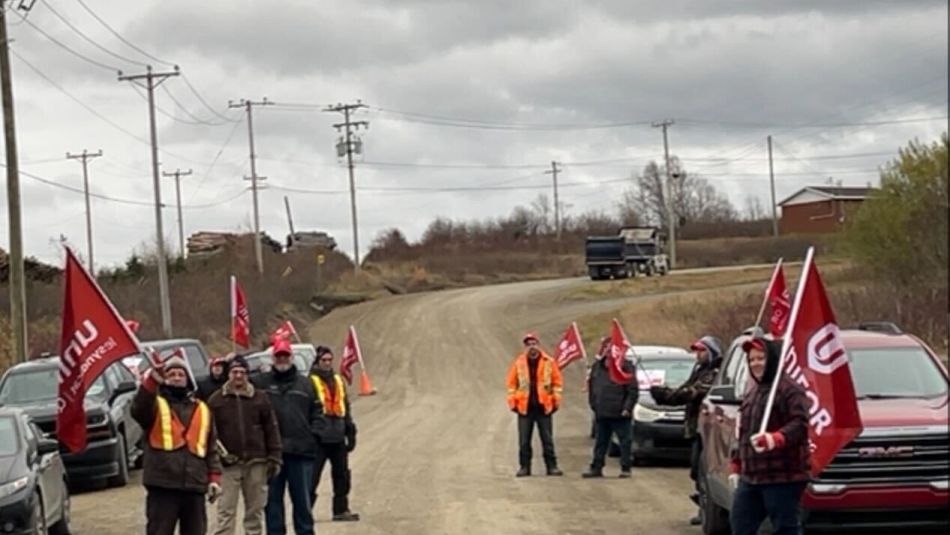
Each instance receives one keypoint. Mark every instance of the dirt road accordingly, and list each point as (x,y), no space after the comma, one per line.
(437,448)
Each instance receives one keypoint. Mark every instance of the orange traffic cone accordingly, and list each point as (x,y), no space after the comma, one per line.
(366,388)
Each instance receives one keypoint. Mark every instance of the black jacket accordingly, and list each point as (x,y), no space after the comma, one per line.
(209,385)
(607,398)
(690,393)
(298,411)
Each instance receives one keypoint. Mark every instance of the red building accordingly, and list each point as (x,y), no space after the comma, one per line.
(820,209)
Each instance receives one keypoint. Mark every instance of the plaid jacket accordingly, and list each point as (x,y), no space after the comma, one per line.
(790,417)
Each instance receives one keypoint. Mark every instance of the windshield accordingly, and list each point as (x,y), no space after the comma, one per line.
(264,361)
(37,386)
(9,440)
(668,371)
(873,371)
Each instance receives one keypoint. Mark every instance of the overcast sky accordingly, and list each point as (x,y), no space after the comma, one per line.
(513,85)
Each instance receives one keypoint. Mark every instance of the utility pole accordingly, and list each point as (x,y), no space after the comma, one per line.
(248,106)
(17,278)
(347,146)
(290,221)
(84,158)
(670,205)
(772,184)
(181,226)
(153,80)
(557,208)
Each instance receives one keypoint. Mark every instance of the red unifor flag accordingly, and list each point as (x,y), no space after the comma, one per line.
(570,348)
(617,356)
(779,302)
(816,359)
(93,337)
(351,355)
(240,317)
(284,332)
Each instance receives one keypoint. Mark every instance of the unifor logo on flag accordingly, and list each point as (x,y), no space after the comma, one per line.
(816,359)
(779,302)
(284,332)
(351,355)
(93,337)
(570,348)
(240,316)
(617,356)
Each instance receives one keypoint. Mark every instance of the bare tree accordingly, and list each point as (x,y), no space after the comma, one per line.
(695,200)
(754,211)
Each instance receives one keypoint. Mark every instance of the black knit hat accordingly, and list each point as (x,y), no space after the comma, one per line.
(238,361)
(323,350)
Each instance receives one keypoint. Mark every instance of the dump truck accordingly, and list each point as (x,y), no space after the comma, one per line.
(634,250)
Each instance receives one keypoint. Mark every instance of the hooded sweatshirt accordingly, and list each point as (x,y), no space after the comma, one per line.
(692,392)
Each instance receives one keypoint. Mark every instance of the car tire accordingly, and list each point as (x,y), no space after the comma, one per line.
(39,516)
(122,478)
(140,460)
(62,526)
(715,519)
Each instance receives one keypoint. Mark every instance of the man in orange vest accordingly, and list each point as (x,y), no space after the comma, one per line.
(336,435)
(534,393)
(181,464)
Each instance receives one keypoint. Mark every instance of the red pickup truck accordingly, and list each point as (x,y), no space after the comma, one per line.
(894,475)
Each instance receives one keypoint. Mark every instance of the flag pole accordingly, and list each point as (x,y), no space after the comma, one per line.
(233,312)
(765,298)
(787,339)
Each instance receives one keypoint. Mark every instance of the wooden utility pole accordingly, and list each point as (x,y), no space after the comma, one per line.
(557,207)
(772,184)
(248,106)
(84,158)
(347,146)
(181,225)
(290,221)
(153,80)
(17,277)
(670,204)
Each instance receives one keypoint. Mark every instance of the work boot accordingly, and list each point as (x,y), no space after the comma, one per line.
(554,471)
(593,472)
(346,516)
(524,471)
(696,521)
(624,473)
(694,497)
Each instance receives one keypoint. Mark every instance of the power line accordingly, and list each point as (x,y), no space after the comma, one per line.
(205,103)
(86,37)
(120,38)
(67,48)
(207,173)
(197,119)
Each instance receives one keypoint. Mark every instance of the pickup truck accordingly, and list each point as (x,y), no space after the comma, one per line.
(893,476)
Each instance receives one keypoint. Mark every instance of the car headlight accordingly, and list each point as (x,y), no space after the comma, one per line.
(13,487)
(646,414)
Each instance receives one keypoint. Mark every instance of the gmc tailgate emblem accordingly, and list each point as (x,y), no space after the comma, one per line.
(886,452)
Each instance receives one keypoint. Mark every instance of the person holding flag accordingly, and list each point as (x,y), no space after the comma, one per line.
(336,437)
(612,401)
(708,350)
(181,462)
(769,470)
(534,394)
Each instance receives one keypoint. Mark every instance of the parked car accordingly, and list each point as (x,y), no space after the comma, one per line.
(34,496)
(195,354)
(894,475)
(115,439)
(261,361)
(658,430)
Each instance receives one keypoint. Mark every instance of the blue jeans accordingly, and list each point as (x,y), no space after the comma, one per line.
(777,501)
(296,475)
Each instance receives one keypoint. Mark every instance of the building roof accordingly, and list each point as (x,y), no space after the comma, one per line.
(824,193)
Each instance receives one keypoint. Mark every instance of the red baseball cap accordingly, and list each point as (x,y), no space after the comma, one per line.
(698,345)
(753,343)
(530,336)
(282,346)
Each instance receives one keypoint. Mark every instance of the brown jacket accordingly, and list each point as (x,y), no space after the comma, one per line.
(178,469)
(246,424)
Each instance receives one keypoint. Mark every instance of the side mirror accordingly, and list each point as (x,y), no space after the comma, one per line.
(46,446)
(124,388)
(723,395)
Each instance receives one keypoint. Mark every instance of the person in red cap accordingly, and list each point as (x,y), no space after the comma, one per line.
(181,463)
(708,352)
(215,379)
(769,471)
(534,394)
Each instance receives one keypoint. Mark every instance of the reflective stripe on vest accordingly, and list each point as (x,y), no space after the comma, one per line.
(334,403)
(524,383)
(169,434)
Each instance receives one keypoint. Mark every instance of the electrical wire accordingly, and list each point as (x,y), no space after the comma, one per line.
(207,173)
(197,119)
(204,102)
(119,36)
(88,39)
(67,48)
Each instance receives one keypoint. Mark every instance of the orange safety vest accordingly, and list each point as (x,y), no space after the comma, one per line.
(332,399)
(548,380)
(169,434)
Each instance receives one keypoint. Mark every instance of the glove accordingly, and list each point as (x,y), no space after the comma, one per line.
(350,443)
(273,468)
(214,491)
(659,393)
(734,481)
(763,442)
(735,468)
